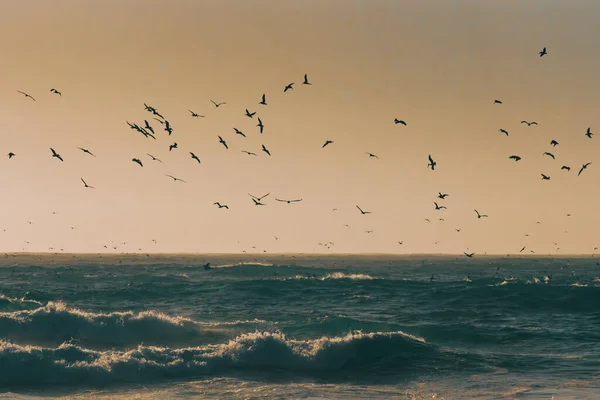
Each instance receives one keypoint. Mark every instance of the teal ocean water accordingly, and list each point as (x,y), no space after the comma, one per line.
(299,327)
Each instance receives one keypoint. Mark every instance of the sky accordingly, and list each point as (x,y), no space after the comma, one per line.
(438,65)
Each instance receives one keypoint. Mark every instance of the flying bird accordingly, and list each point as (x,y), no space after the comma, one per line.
(11,155)
(442,195)
(327,142)
(589,133)
(399,121)
(55,154)
(264,100)
(137,160)
(503,131)
(545,177)
(153,158)
(497,102)
(86,185)
(549,154)
(223,142)
(237,131)
(543,52)
(371,155)
(249,114)
(437,207)
(55,92)
(288,87)
(221,205)
(363,212)
(26,95)
(265,150)
(195,157)
(432,163)
(260,125)
(249,153)
(554,143)
(470,255)
(522,249)
(480,215)
(147,126)
(289,201)
(168,127)
(195,115)
(306,82)
(173,146)
(86,151)
(175,179)
(584,166)
(218,104)
(529,123)
(516,158)
(259,198)
(565,168)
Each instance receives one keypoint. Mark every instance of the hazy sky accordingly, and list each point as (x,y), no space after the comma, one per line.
(438,65)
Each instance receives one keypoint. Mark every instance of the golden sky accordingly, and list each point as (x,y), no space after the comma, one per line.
(438,65)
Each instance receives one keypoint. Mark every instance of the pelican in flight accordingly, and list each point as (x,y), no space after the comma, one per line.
(55,154)
(260,125)
(589,133)
(86,185)
(153,158)
(86,151)
(137,160)
(529,123)
(543,52)
(26,95)
(238,132)
(503,131)
(266,150)
(248,152)
(516,158)
(221,205)
(264,100)
(545,177)
(173,146)
(480,215)
(195,115)
(437,207)
(549,154)
(584,166)
(249,114)
(11,155)
(175,179)
(497,102)
(289,201)
(306,82)
(195,157)
(399,121)
(55,92)
(222,141)
(432,163)
(288,87)
(363,212)
(218,104)
(327,142)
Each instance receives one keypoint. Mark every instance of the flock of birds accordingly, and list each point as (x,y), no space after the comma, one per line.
(149,131)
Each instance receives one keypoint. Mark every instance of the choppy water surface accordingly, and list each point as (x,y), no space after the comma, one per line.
(299,327)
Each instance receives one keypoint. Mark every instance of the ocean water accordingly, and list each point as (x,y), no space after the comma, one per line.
(303,327)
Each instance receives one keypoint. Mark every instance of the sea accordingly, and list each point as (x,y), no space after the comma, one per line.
(299,327)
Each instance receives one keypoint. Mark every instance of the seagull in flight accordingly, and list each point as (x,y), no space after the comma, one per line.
(516,158)
(442,195)
(86,151)
(432,163)
(237,131)
(173,146)
(543,52)
(86,185)
(399,121)
(249,114)
(55,92)
(259,198)
(470,255)
(326,143)
(175,179)
(480,215)
(589,133)
(249,153)
(218,104)
(221,205)
(260,125)
(288,87)
(55,154)
(11,155)
(264,100)
(565,168)
(497,102)
(148,126)
(195,157)
(195,115)
(584,166)
(26,95)
(503,131)
(363,212)
(137,160)
(549,154)
(522,249)
(554,143)
(306,82)
(545,177)
(529,123)
(153,158)
(437,207)
(265,150)
(289,201)
(223,142)
(371,155)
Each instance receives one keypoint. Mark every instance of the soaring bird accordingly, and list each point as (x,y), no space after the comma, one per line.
(195,157)
(264,100)
(248,152)
(223,142)
(153,158)
(363,212)
(437,207)
(497,102)
(26,95)
(584,166)
(218,104)
(543,52)
(55,154)
(529,123)
(265,150)
(258,202)
(470,255)
(516,158)
(503,131)
(326,143)
(371,155)
(288,87)
(55,92)
(221,205)
(168,127)
(196,115)
(86,185)
(545,177)
(589,133)
(480,215)
(260,125)
(259,198)
(148,126)
(173,146)
(86,151)
(306,82)
(565,168)
(238,132)
(11,155)
(289,201)
(175,179)
(137,160)
(399,121)
(432,163)
(522,248)
(549,154)
(249,114)
(442,195)
(554,143)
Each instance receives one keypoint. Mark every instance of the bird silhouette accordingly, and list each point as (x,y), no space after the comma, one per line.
(238,132)
(264,100)
(470,255)
(589,133)
(442,195)
(543,52)
(503,131)
(11,155)
(26,95)
(137,160)
(553,143)
(371,155)
(260,125)
(55,92)
(173,146)
(195,157)
(432,163)
(259,198)
(363,212)
(266,150)
(306,82)
(584,166)
(175,179)
(549,154)
(437,207)
(153,158)
(148,126)
(86,151)
(221,205)
(249,153)
(497,102)
(249,114)
(86,185)
(289,201)
(480,215)
(529,123)
(545,177)
(218,104)
(222,141)
(288,87)
(565,168)
(516,158)
(196,115)
(399,121)
(55,154)
(326,143)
